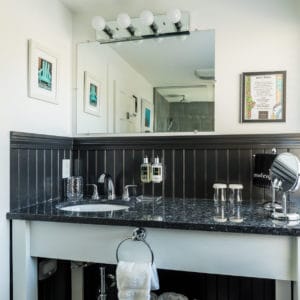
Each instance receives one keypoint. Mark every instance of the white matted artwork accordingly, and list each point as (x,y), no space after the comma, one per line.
(92,95)
(42,73)
(147,116)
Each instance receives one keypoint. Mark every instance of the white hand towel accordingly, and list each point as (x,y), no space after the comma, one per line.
(154,278)
(134,280)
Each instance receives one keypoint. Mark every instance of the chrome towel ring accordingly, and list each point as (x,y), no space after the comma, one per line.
(138,235)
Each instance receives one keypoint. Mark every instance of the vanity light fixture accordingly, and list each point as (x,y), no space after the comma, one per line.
(124,22)
(146,26)
(174,16)
(99,24)
(147,19)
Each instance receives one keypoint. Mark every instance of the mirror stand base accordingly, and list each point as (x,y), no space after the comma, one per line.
(285,217)
(270,206)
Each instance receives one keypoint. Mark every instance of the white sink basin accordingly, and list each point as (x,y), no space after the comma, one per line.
(99,207)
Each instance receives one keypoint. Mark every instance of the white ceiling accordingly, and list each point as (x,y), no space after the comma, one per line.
(172,61)
(109,8)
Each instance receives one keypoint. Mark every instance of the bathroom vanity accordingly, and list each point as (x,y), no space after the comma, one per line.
(181,227)
(182,234)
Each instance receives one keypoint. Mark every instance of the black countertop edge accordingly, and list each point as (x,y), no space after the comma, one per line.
(222,227)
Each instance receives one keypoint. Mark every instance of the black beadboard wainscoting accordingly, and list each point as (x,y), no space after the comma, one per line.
(36,167)
(192,164)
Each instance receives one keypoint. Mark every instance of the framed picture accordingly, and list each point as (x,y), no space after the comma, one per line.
(263,97)
(42,73)
(147,116)
(92,96)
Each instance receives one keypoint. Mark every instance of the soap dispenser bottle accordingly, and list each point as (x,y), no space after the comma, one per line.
(157,171)
(146,171)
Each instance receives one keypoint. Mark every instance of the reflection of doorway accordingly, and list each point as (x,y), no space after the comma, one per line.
(184,108)
(126,110)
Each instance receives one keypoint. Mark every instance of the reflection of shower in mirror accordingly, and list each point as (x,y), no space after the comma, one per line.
(170,124)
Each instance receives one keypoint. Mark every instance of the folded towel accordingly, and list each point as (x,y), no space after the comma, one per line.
(135,280)
(262,165)
(154,278)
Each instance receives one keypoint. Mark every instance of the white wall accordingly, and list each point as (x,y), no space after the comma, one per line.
(256,35)
(50,24)
(107,66)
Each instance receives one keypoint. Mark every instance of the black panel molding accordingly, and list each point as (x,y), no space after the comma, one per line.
(240,141)
(19,140)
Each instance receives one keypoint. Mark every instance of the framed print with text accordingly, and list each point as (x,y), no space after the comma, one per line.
(263,97)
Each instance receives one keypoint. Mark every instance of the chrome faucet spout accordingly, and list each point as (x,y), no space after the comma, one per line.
(109,188)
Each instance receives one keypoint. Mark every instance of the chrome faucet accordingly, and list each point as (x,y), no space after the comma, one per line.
(126,195)
(95,195)
(109,188)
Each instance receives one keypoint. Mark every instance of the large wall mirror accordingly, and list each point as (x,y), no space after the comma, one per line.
(148,86)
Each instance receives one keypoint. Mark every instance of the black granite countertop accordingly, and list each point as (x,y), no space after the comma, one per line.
(187,214)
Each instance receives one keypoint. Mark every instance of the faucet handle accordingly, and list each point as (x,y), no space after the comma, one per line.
(102,177)
(126,196)
(95,195)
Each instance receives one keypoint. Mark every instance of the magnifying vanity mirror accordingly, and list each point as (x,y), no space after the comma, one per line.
(285,172)
(147,86)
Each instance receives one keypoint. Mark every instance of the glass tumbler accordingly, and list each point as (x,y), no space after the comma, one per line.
(220,213)
(75,188)
(220,202)
(235,200)
(220,193)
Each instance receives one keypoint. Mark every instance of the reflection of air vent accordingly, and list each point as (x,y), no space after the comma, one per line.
(174,96)
(179,98)
(207,74)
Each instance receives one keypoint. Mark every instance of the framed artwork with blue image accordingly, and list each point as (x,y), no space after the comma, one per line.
(92,96)
(147,116)
(42,73)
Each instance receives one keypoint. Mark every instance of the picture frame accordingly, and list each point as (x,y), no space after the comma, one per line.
(92,95)
(263,97)
(147,116)
(42,73)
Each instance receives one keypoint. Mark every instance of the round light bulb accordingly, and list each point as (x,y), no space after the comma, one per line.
(174,15)
(147,17)
(98,23)
(123,20)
